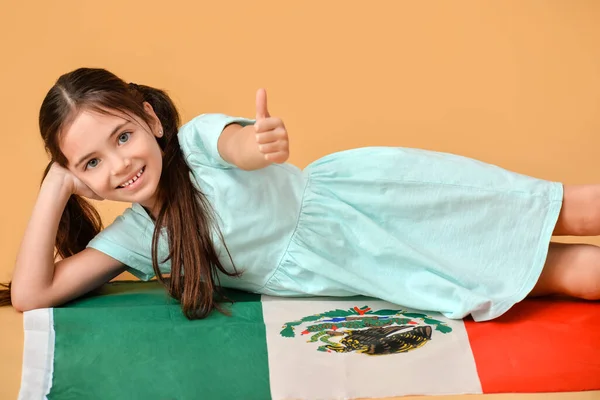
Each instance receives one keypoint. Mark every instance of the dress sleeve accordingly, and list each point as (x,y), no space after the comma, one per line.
(129,240)
(198,138)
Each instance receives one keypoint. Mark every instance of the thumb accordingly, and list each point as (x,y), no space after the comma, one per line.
(261,104)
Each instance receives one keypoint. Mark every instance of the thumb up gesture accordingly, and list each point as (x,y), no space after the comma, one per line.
(271,135)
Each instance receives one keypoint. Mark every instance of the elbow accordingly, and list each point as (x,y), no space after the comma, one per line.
(23,301)
(18,303)
(19,308)
(22,306)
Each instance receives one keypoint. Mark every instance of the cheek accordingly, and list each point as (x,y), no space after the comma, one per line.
(95,180)
(155,152)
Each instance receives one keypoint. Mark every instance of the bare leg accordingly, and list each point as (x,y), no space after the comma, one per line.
(580,213)
(572,270)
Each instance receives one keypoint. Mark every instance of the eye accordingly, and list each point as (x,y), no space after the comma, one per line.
(93,163)
(124,137)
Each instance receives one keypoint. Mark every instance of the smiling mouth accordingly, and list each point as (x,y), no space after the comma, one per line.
(132,180)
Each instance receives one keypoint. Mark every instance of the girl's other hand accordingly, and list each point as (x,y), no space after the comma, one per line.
(60,175)
(271,135)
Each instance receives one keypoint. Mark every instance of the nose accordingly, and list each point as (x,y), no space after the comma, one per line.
(119,165)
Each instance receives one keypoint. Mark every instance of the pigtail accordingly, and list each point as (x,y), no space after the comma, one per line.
(5,299)
(189,221)
(79,223)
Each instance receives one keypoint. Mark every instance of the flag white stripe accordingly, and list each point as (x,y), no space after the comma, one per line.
(38,354)
(444,365)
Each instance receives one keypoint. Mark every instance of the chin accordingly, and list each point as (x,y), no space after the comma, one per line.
(146,199)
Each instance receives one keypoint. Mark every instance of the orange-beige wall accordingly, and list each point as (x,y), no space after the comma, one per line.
(514,83)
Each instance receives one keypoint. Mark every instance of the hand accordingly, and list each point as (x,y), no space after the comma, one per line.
(61,175)
(271,135)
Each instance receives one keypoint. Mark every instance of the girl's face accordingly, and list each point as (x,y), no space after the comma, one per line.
(116,157)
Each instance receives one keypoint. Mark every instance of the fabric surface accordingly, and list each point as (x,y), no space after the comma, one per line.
(130,341)
(422,229)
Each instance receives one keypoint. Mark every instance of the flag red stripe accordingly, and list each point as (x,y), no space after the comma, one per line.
(539,346)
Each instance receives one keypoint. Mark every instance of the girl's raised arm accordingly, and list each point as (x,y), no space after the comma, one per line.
(38,281)
(255,146)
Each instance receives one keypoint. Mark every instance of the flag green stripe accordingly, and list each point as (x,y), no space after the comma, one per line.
(130,341)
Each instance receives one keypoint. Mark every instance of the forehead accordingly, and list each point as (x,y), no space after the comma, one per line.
(88,130)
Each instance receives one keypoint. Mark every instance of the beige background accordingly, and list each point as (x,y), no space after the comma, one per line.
(514,83)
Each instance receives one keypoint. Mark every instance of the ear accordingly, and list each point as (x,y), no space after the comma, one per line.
(155,125)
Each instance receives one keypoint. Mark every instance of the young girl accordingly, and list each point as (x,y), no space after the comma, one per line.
(215,205)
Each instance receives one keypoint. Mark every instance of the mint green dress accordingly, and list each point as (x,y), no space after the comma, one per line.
(422,229)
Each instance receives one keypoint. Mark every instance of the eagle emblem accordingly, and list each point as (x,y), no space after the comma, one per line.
(367,332)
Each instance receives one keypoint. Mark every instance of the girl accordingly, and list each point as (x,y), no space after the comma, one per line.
(215,205)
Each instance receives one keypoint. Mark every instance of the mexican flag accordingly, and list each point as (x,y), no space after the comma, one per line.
(130,341)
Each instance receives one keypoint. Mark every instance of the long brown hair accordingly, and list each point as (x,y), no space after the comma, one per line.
(184,210)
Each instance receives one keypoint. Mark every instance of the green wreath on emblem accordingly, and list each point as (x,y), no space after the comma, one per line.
(369,332)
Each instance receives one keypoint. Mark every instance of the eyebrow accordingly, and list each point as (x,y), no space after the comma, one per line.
(114,132)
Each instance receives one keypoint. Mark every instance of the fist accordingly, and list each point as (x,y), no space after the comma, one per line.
(271,135)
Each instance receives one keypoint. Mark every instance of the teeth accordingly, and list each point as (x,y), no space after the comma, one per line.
(135,178)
